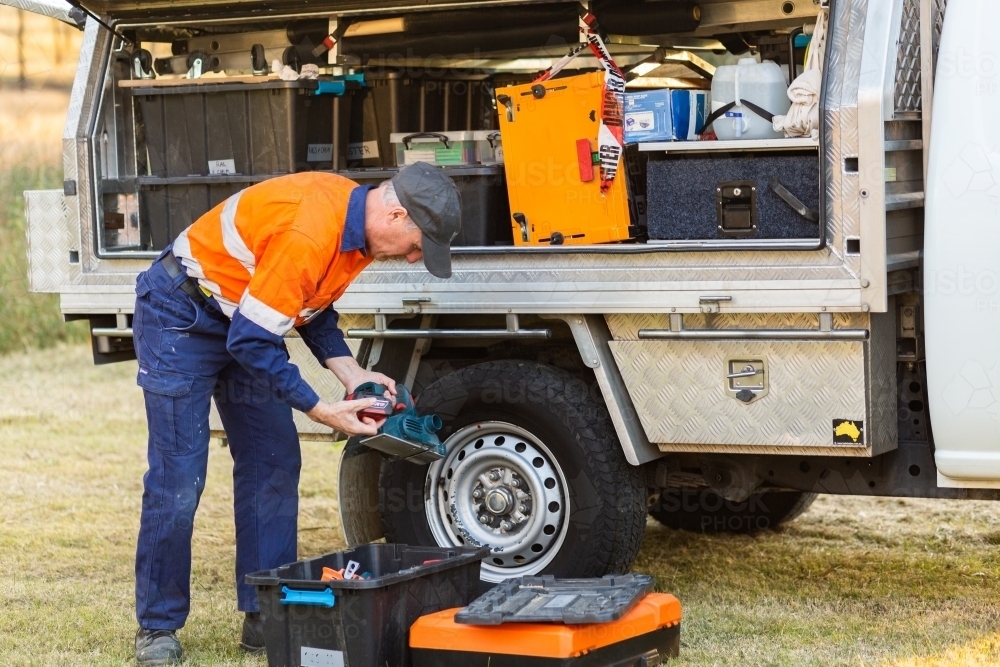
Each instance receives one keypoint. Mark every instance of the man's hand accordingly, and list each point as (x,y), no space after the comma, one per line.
(352,375)
(343,416)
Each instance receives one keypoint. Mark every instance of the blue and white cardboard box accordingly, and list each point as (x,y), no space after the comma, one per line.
(664,115)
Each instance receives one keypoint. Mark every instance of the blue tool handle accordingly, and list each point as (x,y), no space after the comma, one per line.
(403,396)
(311,598)
(330,88)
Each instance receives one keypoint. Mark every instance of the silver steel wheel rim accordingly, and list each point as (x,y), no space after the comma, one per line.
(518,482)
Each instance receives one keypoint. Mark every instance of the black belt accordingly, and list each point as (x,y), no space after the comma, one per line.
(189,286)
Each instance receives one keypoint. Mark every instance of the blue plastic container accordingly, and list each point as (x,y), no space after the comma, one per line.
(664,115)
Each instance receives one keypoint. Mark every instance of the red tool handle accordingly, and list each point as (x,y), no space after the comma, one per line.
(584,159)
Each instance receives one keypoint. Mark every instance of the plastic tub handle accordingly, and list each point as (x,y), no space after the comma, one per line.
(322,598)
(422,135)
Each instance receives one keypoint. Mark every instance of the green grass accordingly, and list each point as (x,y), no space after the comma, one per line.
(26,319)
(855,581)
(30,148)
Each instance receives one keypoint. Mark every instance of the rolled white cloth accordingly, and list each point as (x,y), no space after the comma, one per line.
(285,72)
(309,72)
(802,119)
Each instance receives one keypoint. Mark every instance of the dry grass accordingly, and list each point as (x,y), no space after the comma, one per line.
(853,582)
(47,48)
(72,442)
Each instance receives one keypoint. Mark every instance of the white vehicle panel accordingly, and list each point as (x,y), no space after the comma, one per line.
(962,249)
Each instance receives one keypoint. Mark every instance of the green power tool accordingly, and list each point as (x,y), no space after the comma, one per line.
(404,434)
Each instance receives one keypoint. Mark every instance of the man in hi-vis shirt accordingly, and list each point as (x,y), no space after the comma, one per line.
(209,321)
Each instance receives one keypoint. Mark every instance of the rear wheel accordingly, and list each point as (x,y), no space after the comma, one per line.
(705,511)
(534,470)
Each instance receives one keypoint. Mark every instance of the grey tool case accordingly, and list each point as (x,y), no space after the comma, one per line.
(546,599)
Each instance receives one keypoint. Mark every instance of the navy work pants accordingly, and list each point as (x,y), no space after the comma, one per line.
(183,363)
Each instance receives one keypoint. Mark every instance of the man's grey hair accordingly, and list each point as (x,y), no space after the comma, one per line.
(389,198)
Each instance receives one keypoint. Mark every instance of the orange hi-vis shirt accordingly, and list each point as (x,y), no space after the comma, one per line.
(277,251)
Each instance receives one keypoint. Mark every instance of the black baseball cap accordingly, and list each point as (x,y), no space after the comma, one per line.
(431,199)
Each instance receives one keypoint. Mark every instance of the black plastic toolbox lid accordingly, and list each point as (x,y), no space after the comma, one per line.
(546,599)
(222,85)
(387,563)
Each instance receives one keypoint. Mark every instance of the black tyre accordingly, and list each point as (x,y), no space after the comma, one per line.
(534,469)
(705,511)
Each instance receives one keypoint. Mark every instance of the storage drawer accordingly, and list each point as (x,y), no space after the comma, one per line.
(734,198)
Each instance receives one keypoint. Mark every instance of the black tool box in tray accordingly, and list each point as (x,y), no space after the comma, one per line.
(706,199)
(206,140)
(260,128)
(482,190)
(310,620)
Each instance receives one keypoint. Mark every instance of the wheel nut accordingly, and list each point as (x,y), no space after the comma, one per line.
(515,483)
(506,525)
(483,518)
(522,509)
(477,494)
(494,475)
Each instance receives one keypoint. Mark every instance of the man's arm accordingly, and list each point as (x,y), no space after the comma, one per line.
(326,341)
(266,313)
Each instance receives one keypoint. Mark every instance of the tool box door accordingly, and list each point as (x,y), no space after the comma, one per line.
(549,133)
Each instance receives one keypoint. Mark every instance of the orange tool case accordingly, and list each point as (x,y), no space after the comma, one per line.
(549,132)
(647,635)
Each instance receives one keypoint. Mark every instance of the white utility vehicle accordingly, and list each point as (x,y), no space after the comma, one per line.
(717,384)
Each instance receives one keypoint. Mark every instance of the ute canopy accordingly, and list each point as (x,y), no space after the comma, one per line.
(172,10)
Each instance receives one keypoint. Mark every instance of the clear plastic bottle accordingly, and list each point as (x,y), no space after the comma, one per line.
(762,84)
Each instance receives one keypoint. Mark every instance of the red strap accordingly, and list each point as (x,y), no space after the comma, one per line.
(584,159)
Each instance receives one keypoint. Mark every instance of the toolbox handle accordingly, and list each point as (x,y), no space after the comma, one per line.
(423,135)
(812,215)
(322,598)
(584,160)
(492,138)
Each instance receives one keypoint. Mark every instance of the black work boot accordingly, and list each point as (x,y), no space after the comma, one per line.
(252,640)
(157,647)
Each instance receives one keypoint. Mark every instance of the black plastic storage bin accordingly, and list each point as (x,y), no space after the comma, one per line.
(265,128)
(401,102)
(360,623)
(168,205)
(483,191)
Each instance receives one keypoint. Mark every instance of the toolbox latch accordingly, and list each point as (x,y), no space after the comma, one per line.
(736,207)
(522,223)
(746,378)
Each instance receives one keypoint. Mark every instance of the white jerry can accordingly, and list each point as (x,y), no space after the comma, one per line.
(762,84)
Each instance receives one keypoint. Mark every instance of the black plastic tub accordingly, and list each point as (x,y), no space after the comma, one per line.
(167,206)
(263,128)
(482,189)
(360,623)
